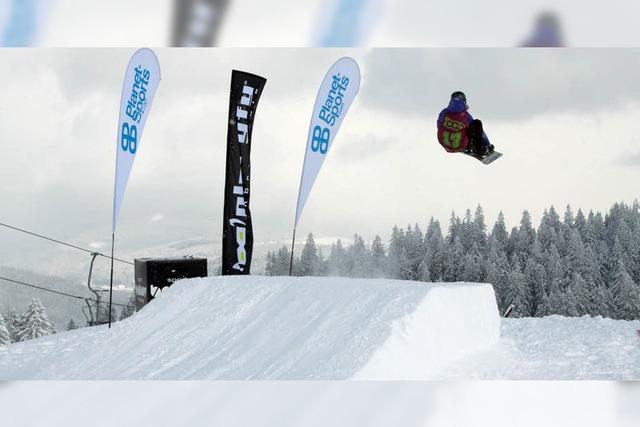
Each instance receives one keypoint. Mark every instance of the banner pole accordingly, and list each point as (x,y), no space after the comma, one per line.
(113,239)
(293,245)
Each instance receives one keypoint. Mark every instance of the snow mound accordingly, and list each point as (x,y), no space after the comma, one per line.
(251,327)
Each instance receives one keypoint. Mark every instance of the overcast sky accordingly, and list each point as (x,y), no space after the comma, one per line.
(566,121)
(610,23)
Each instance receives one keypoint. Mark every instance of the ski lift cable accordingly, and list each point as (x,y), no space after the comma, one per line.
(61,242)
(17,282)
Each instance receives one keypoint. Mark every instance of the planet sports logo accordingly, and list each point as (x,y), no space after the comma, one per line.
(136,106)
(334,104)
(330,112)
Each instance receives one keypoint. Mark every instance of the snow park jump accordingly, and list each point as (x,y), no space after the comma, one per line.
(249,327)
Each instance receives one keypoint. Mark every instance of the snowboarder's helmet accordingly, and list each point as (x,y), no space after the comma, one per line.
(460,96)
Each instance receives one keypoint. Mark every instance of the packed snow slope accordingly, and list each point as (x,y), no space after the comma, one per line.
(557,348)
(249,327)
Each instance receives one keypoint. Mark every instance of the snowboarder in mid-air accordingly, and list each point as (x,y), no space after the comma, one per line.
(459,132)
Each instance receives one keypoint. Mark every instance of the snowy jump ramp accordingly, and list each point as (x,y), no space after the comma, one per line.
(250,327)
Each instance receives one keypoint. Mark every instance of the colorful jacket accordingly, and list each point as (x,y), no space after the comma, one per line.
(452,124)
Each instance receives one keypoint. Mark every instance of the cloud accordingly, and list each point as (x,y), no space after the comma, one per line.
(631,159)
(156,218)
(506,85)
(360,147)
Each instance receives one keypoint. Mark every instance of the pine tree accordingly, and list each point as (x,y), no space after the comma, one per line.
(473,266)
(612,259)
(35,322)
(633,253)
(336,262)
(591,267)
(270,265)
(396,249)
(590,236)
(499,233)
(466,231)
(512,243)
(625,295)
(71,325)
(523,238)
(556,298)
(412,254)
(568,305)
(282,261)
(580,224)
(479,230)
(613,222)
(454,262)
(581,294)
(569,220)
(550,231)
(496,269)
(309,259)
(535,277)
(600,301)
(425,265)
(361,263)
(14,324)
(516,293)
(544,307)
(552,263)
(434,252)
(575,258)
(323,265)
(5,337)
(455,227)
(598,227)
(625,237)
(378,257)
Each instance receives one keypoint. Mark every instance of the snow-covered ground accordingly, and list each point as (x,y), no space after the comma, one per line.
(331,328)
(557,348)
(319,404)
(274,328)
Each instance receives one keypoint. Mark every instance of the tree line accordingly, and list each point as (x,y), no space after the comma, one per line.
(574,266)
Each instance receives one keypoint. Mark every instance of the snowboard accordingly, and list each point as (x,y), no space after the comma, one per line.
(489,158)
